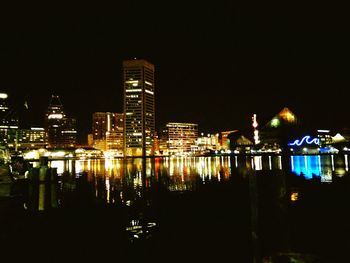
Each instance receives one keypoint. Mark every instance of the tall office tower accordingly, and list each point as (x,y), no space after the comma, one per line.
(107,130)
(181,137)
(139,124)
(54,121)
(61,131)
(8,121)
(99,125)
(68,132)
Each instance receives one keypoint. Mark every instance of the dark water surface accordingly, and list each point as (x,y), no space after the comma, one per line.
(232,208)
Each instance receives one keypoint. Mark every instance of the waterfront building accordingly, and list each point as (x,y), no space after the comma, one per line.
(156,144)
(278,132)
(33,138)
(61,130)
(163,141)
(139,107)
(99,125)
(181,137)
(108,129)
(239,142)
(90,139)
(208,142)
(325,137)
(115,135)
(8,121)
(224,139)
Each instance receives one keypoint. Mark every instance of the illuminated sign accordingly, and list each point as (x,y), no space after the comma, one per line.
(306,139)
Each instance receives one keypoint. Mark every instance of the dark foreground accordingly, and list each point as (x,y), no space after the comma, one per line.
(212,223)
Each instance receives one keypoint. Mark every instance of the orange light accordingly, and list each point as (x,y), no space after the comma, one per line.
(294,196)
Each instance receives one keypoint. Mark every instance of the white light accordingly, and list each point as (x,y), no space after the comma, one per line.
(55,116)
(323,131)
(133,90)
(31,155)
(149,92)
(3,96)
(58,154)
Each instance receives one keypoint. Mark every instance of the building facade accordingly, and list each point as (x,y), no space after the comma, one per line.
(61,130)
(181,137)
(108,130)
(69,132)
(33,138)
(139,107)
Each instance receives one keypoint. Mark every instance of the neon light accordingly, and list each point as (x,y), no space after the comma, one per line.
(255,123)
(275,122)
(306,139)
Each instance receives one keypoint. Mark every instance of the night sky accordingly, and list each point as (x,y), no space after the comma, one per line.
(216,63)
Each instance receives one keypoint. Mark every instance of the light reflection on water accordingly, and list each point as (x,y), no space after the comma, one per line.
(320,166)
(128,182)
(181,173)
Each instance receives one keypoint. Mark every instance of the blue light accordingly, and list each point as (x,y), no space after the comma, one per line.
(306,165)
(306,139)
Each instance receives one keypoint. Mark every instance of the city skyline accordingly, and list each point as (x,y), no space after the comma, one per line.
(216,66)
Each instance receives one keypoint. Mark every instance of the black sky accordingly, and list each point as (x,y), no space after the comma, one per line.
(216,62)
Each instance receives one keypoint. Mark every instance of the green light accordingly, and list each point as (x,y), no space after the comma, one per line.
(275,122)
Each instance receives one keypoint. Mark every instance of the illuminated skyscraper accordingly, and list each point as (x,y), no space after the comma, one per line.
(139,124)
(8,121)
(61,131)
(69,132)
